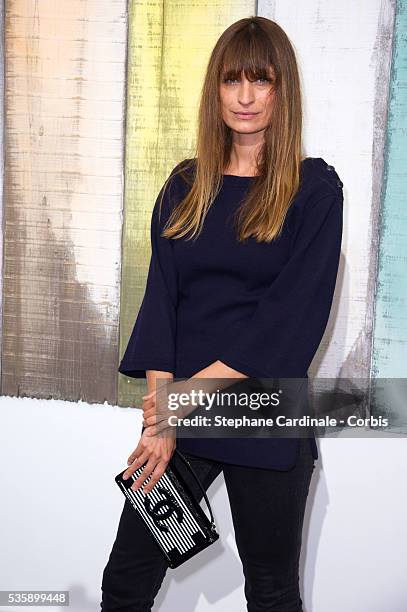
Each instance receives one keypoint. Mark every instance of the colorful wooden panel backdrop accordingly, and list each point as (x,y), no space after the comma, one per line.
(100,103)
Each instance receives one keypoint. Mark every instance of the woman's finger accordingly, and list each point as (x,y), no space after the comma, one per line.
(138,452)
(150,394)
(138,462)
(156,475)
(149,413)
(147,470)
(132,457)
(154,419)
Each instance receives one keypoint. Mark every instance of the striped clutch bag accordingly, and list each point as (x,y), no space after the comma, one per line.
(172,515)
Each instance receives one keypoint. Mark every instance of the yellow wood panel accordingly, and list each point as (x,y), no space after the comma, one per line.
(169,47)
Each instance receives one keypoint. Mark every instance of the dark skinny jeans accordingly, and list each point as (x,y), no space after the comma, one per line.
(267,508)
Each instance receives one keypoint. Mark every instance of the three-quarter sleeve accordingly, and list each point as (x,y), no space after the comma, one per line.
(152,342)
(282,336)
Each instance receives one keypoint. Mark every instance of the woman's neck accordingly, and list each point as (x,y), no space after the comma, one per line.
(240,170)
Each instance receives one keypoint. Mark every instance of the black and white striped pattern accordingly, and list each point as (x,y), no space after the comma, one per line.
(179,536)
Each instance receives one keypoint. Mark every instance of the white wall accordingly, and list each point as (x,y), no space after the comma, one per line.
(60,510)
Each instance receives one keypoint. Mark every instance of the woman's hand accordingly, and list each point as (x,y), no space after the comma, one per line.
(157,451)
(201,386)
(156,409)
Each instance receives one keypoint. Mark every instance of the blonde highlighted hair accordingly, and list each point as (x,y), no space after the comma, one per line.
(252,45)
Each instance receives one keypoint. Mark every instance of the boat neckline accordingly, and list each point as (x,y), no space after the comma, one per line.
(241,177)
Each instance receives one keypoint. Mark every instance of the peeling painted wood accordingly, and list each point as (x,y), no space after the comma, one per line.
(65,97)
(344,52)
(2,161)
(389,359)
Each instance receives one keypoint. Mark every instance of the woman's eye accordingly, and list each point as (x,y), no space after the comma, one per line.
(262,80)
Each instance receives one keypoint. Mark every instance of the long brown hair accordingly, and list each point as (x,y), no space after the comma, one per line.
(252,45)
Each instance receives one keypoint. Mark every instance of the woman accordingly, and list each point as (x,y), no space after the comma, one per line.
(246,240)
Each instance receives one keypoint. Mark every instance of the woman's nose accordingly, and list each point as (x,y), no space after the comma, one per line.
(245,92)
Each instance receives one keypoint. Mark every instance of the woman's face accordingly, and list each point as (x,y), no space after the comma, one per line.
(247,106)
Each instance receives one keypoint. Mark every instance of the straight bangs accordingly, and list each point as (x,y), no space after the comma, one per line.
(251,53)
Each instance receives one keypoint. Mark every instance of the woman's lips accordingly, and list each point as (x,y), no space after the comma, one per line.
(245,115)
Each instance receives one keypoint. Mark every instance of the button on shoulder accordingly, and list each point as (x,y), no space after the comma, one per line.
(328,175)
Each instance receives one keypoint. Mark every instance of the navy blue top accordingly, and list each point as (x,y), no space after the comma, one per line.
(260,308)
